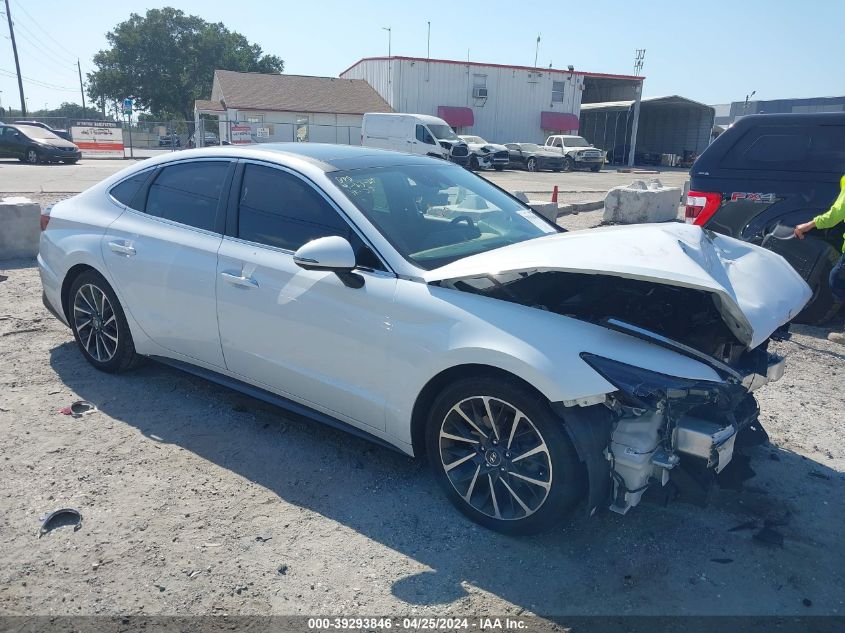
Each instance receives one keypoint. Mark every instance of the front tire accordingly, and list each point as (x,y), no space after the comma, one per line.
(473,163)
(502,456)
(595,168)
(568,164)
(498,167)
(99,324)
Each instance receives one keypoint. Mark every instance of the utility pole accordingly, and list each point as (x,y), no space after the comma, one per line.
(17,61)
(536,51)
(428,42)
(81,89)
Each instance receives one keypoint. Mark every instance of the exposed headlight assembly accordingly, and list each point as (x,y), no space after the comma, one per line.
(642,388)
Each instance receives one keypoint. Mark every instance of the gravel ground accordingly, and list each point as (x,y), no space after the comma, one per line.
(198,500)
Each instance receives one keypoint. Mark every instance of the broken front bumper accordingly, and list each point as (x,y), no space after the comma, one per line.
(665,423)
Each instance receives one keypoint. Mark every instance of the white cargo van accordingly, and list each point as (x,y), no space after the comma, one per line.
(414,134)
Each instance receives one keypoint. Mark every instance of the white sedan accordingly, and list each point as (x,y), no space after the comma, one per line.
(406,299)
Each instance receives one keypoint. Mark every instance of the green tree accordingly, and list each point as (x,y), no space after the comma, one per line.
(166,59)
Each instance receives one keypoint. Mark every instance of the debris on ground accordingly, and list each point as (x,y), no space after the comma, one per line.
(283,569)
(263,539)
(722,561)
(78,409)
(818,475)
(53,520)
(807,602)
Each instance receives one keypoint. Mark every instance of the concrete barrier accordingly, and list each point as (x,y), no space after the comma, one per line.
(637,203)
(20,227)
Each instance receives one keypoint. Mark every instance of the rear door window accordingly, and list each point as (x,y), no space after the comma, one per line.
(188,193)
(806,148)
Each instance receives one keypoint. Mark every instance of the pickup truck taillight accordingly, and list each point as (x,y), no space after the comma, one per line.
(701,205)
(45,218)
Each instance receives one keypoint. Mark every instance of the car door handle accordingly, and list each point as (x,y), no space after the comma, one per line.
(239,280)
(122,248)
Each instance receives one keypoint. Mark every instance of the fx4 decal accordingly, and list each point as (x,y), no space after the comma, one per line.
(767,198)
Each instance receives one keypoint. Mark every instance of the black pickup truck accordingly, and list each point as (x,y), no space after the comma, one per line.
(776,169)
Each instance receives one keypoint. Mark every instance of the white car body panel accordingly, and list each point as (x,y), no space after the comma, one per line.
(302,333)
(168,283)
(674,253)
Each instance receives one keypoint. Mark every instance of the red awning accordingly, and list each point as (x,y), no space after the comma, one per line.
(455,116)
(558,121)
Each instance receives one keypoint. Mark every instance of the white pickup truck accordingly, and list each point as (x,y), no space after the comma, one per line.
(577,152)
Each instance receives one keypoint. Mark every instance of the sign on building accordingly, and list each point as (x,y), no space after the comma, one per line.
(103,139)
(262,132)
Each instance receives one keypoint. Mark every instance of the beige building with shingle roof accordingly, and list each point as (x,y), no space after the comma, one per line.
(257,107)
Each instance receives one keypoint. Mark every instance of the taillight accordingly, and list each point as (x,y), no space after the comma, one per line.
(45,218)
(701,205)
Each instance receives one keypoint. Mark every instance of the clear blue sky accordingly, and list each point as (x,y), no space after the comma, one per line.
(714,52)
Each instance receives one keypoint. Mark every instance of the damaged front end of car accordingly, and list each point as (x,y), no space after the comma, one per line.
(671,429)
(702,296)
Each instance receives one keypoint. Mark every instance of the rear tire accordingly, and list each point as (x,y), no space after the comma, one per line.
(99,324)
(518,480)
(32,156)
(71,162)
(531,165)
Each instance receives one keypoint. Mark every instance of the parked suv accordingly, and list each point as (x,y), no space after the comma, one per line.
(577,152)
(775,169)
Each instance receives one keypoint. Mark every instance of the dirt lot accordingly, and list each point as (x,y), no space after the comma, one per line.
(197,500)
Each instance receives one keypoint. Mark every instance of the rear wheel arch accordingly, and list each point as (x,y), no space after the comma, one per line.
(70,277)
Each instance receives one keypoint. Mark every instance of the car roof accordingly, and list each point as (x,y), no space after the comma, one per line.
(326,156)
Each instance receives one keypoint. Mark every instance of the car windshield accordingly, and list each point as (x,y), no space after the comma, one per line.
(37,132)
(529,147)
(443,132)
(473,139)
(575,141)
(437,214)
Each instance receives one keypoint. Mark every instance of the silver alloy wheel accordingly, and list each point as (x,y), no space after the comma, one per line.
(95,322)
(532,164)
(495,458)
(31,156)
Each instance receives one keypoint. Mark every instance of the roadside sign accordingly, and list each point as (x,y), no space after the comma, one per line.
(127,106)
(262,132)
(98,139)
(241,134)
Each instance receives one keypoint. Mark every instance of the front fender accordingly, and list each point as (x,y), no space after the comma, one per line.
(436,329)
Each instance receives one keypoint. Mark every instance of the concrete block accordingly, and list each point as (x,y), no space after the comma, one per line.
(548,210)
(20,227)
(637,203)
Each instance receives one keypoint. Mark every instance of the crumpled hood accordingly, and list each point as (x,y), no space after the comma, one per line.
(755,290)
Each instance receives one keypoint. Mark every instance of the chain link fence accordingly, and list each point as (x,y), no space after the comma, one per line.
(245,133)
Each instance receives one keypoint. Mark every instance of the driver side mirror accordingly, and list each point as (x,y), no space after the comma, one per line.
(332,253)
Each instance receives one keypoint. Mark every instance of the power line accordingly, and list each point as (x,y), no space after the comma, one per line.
(47,53)
(35,22)
(38,82)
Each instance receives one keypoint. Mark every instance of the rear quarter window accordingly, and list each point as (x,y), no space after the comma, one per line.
(816,148)
(125,192)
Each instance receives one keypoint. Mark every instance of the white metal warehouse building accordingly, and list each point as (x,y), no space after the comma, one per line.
(498,102)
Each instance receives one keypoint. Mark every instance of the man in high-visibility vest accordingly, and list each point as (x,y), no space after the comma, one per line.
(832,217)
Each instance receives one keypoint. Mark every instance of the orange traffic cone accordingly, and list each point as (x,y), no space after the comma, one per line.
(554,194)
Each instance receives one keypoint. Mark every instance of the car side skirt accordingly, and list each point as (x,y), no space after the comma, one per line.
(267,396)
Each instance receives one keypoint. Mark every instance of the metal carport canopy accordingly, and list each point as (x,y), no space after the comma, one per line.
(619,106)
